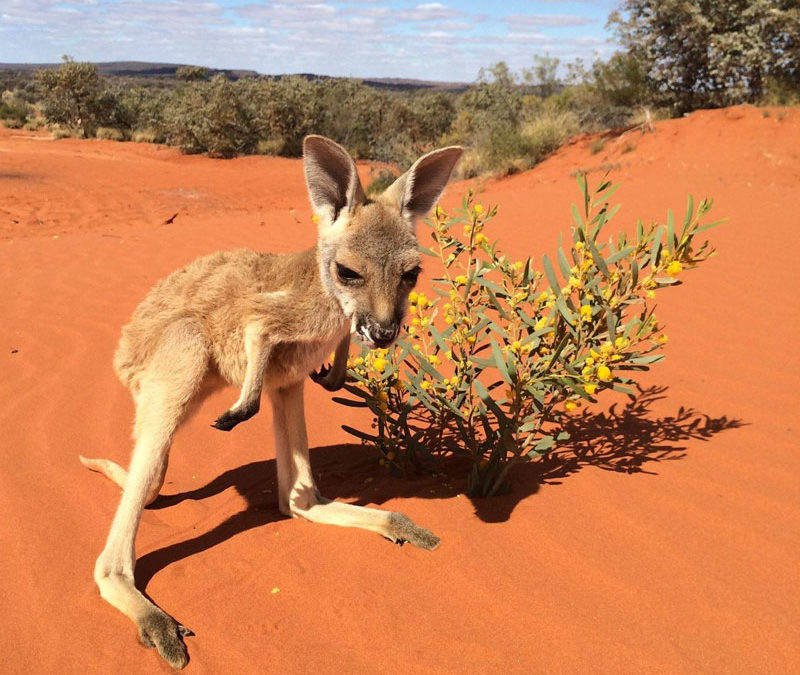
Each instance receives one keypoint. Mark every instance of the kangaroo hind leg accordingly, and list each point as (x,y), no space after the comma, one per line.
(168,382)
(297,492)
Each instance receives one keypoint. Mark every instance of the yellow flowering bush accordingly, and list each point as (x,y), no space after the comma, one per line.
(500,353)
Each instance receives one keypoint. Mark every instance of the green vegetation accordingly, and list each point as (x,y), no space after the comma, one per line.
(678,56)
(494,364)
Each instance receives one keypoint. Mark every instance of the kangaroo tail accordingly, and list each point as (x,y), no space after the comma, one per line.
(110,469)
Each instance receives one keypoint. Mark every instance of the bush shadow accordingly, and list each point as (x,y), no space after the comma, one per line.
(626,438)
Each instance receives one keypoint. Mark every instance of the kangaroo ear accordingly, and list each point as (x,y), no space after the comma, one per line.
(331,178)
(418,189)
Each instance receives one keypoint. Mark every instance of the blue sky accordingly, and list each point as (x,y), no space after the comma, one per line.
(443,40)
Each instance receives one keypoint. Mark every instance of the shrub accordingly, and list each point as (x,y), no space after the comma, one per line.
(498,359)
(13,111)
(210,117)
(109,134)
(711,53)
(74,96)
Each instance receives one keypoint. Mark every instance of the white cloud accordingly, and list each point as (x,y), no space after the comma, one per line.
(427,40)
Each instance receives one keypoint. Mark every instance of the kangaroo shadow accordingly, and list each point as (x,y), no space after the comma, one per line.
(625,438)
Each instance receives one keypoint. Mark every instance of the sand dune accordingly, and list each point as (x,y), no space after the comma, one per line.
(673,548)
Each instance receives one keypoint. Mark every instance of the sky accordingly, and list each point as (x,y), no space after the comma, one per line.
(448,40)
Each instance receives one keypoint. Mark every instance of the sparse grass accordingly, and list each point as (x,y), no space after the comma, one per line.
(382,181)
(145,136)
(597,145)
(109,134)
(547,133)
(272,146)
(58,132)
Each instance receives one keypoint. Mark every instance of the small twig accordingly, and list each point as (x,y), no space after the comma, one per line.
(170,220)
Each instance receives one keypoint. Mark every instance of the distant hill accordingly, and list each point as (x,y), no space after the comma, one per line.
(168,70)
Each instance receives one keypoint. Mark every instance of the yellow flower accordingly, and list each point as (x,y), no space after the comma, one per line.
(590,389)
(651,294)
(481,238)
(541,323)
(541,297)
(515,346)
(439,211)
(604,373)
(461,280)
(425,385)
(412,297)
(570,406)
(578,245)
(606,348)
(674,268)
(471,339)
(379,365)
(478,209)
(589,361)
(527,348)
(433,359)
(448,320)
(467,230)
(315,219)
(587,371)
(412,330)
(586,312)
(662,339)
(418,348)
(518,265)
(422,301)
(449,354)
(621,342)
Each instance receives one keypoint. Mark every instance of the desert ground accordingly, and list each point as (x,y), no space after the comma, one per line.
(673,546)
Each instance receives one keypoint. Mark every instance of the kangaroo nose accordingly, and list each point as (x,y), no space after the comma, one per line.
(383,335)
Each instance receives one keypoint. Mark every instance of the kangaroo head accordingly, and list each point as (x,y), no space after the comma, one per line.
(368,253)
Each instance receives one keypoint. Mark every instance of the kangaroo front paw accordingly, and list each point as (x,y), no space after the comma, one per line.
(319,375)
(402,529)
(161,631)
(324,377)
(230,418)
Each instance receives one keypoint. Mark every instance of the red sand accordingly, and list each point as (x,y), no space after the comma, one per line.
(690,565)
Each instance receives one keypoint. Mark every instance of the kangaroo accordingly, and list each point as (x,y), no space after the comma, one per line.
(266,321)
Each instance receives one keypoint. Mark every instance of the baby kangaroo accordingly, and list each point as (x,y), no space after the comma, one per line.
(267,321)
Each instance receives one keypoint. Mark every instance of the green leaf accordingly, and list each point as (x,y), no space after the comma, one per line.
(598,259)
(544,443)
(359,434)
(551,275)
(670,231)
(647,359)
(656,245)
(350,402)
(563,264)
(619,255)
(486,397)
(576,216)
(500,362)
(561,306)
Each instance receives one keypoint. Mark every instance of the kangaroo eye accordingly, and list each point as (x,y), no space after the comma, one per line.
(411,275)
(346,274)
